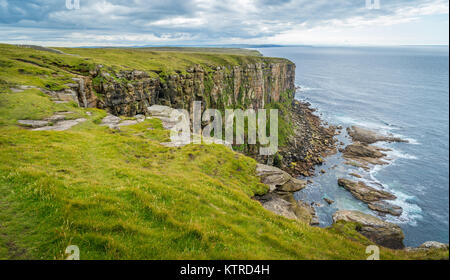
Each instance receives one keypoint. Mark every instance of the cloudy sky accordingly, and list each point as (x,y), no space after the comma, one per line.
(198,22)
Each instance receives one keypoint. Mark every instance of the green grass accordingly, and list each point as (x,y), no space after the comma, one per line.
(166,60)
(122,195)
(44,69)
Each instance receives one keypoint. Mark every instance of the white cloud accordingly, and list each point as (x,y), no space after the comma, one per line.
(215,21)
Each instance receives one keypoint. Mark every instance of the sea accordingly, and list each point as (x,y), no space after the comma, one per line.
(401,91)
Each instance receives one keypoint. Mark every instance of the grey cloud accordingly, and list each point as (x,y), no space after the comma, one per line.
(197,19)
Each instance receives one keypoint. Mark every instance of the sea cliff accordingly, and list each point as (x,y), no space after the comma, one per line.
(79,169)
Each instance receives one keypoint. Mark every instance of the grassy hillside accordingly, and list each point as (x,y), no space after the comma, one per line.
(52,70)
(122,195)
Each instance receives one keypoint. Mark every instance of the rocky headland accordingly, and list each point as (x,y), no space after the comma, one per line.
(133,95)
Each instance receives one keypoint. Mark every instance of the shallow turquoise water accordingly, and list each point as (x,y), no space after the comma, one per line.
(403,91)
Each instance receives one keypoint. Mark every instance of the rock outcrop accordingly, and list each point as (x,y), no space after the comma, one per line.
(170,118)
(132,92)
(329,201)
(57,122)
(278,180)
(308,144)
(374,198)
(433,245)
(363,192)
(385,207)
(364,154)
(359,134)
(246,86)
(380,232)
(280,198)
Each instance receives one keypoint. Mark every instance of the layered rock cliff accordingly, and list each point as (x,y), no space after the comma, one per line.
(268,83)
(131,92)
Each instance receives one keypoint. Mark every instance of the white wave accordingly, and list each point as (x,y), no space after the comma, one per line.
(411,141)
(381,128)
(306,88)
(394,154)
(411,212)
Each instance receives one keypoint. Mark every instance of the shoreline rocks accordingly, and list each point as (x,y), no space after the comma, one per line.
(385,207)
(380,232)
(433,245)
(280,199)
(362,135)
(363,192)
(374,198)
(329,201)
(310,142)
(364,154)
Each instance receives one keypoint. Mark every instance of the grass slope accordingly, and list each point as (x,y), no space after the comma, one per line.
(122,195)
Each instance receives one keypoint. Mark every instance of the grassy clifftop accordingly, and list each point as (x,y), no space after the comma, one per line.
(52,70)
(122,195)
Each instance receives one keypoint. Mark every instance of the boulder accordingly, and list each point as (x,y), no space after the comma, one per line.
(363,192)
(386,207)
(140,118)
(278,206)
(111,121)
(160,111)
(380,232)
(168,116)
(329,201)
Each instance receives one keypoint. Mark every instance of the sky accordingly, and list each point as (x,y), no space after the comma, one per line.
(211,22)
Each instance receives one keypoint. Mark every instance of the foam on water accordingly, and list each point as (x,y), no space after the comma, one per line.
(306,88)
(412,213)
(381,128)
(406,96)
(396,154)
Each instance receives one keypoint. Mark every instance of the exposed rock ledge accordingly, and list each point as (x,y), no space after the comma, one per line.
(359,134)
(382,233)
(57,122)
(280,198)
(373,197)
(170,118)
(433,245)
(364,154)
(360,153)
(363,192)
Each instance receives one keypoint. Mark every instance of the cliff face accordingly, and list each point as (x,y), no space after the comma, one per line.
(302,138)
(131,92)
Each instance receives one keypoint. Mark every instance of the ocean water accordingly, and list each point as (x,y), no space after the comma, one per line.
(402,91)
